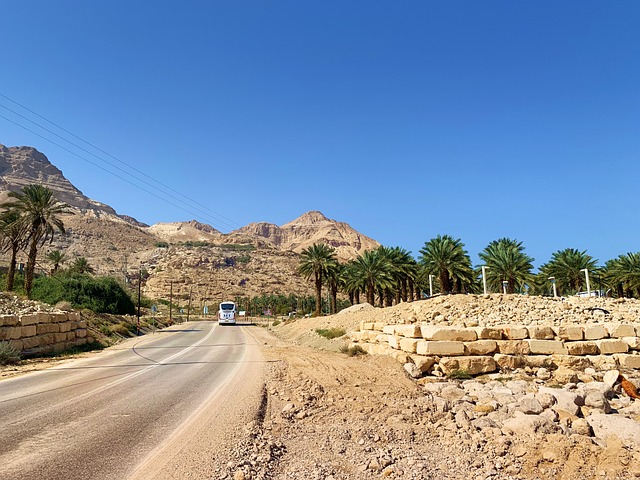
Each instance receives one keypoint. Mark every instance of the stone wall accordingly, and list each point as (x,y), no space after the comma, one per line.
(43,332)
(432,348)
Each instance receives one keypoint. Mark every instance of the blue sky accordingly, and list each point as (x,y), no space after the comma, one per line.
(478,119)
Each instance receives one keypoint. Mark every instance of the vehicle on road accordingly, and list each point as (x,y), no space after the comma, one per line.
(227,313)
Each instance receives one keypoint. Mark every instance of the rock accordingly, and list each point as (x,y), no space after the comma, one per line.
(611,377)
(625,429)
(530,405)
(543,374)
(412,370)
(565,375)
(529,425)
(581,427)
(597,400)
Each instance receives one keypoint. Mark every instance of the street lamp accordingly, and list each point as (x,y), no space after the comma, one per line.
(553,282)
(504,286)
(430,286)
(586,275)
(484,278)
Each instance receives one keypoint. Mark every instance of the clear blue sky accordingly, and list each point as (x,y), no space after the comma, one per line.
(478,119)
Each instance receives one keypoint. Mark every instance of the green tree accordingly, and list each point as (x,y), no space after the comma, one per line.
(81,265)
(317,261)
(506,261)
(39,212)
(376,273)
(334,282)
(446,258)
(56,257)
(566,267)
(352,283)
(12,239)
(622,274)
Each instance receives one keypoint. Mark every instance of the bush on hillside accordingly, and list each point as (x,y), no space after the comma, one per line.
(99,294)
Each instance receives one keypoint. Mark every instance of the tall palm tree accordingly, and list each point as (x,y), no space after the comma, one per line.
(334,281)
(12,239)
(506,261)
(56,257)
(81,265)
(446,258)
(39,212)
(353,283)
(317,260)
(566,267)
(623,274)
(376,273)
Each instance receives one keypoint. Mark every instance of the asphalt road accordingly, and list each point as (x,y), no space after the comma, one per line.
(129,411)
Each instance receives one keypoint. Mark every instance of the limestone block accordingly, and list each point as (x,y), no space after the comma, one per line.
(8,320)
(509,362)
(626,429)
(71,336)
(408,331)
(595,332)
(582,348)
(547,347)
(82,332)
(74,316)
(474,365)
(30,319)
(354,336)
(441,348)
(47,339)
(382,338)
(389,329)
(59,337)
(399,356)
(17,344)
(513,347)
(488,333)
(44,317)
(603,362)
(627,361)
(452,334)
(571,332)
(80,341)
(408,345)
(394,342)
(58,347)
(613,345)
(424,364)
(515,332)
(361,326)
(541,333)
(539,361)
(633,342)
(574,362)
(380,349)
(481,347)
(47,328)
(81,324)
(12,333)
(370,335)
(366,326)
(59,317)
(620,330)
(30,342)
(379,326)
(28,331)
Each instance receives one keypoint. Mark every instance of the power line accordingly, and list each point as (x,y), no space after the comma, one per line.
(221,218)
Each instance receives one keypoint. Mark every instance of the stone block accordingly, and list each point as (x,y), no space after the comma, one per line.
(571,332)
(595,332)
(474,365)
(30,319)
(354,336)
(42,328)
(574,362)
(379,326)
(541,333)
(633,342)
(11,333)
(451,334)
(80,341)
(382,338)
(620,330)
(612,345)
(424,364)
(58,347)
(408,345)
(17,344)
(28,331)
(81,332)
(547,347)
(366,326)
(409,331)
(441,348)
(515,332)
(59,317)
(488,333)
(81,324)
(603,362)
(509,362)
(75,316)
(513,347)
(44,317)
(627,361)
(538,361)
(394,342)
(481,347)
(389,329)
(30,342)
(47,339)
(59,337)
(71,336)
(582,348)
(8,320)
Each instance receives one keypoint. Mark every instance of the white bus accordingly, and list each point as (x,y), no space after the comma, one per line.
(227,313)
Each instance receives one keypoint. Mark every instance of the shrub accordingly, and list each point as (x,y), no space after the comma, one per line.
(460,375)
(161,244)
(276,323)
(8,354)
(352,351)
(331,332)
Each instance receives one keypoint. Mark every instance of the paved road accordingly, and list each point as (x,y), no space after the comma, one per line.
(128,409)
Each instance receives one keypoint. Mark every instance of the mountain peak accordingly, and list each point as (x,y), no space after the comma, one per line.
(309,218)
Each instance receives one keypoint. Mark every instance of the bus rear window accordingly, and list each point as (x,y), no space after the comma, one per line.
(227,306)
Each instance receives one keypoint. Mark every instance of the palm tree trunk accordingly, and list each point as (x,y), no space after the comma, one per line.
(334,299)
(356,294)
(318,295)
(31,267)
(11,274)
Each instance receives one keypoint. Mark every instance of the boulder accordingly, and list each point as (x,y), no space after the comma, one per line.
(626,429)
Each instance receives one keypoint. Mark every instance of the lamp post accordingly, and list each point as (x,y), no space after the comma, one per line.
(505,284)
(484,278)
(586,275)
(553,283)
(430,286)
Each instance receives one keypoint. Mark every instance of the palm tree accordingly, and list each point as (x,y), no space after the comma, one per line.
(623,274)
(81,265)
(39,213)
(334,281)
(506,261)
(566,267)
(376,273)
(56,257)
(446,258)
(353,284)
(12,238)
(317,261)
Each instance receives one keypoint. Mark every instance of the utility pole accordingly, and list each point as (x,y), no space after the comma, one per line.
(189,304)
(171,302)
(139,288)
(484,278)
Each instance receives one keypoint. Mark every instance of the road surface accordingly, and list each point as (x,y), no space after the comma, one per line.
(159,406)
